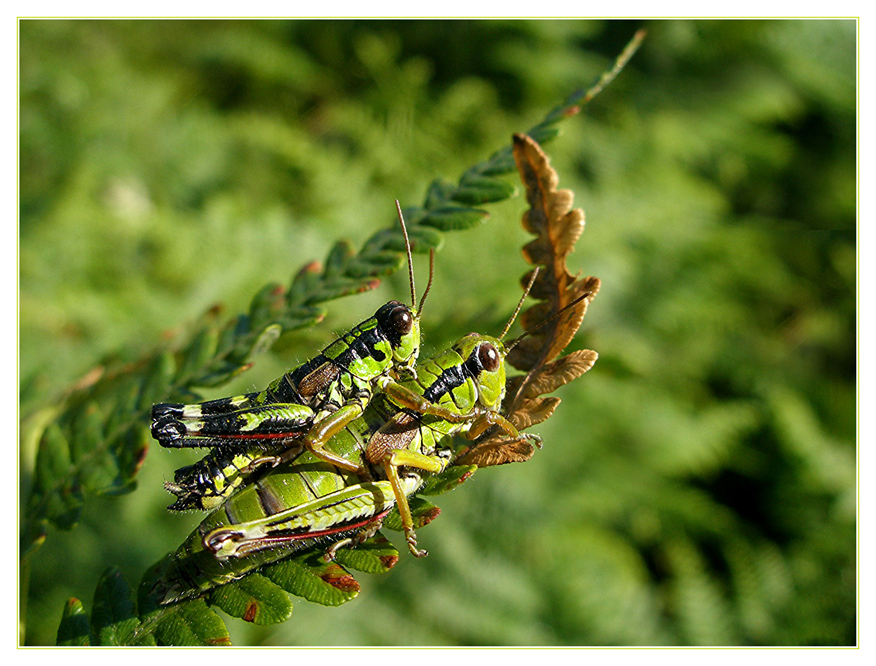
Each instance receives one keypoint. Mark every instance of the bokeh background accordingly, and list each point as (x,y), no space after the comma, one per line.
(697,487)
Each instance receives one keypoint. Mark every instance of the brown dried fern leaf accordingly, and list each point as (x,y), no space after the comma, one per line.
(557,227)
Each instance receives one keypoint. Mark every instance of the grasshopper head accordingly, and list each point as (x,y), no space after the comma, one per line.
(485,361)
(401,325)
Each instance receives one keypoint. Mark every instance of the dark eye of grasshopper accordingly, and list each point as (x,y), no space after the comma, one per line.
(401,320)
(489,358)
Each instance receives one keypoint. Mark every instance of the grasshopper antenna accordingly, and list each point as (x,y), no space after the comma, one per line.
(410,259)
(431,275)
(556,314)
(520,304)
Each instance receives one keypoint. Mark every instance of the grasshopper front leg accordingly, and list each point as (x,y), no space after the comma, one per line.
(486,419)
(482,418)
(405,397)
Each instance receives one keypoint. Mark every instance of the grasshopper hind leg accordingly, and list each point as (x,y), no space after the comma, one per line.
(198,410)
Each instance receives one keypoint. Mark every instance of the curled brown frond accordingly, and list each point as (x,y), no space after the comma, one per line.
(553,321)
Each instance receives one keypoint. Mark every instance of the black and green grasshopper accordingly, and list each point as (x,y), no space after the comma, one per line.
(303,408)
(307,502)
(405,435)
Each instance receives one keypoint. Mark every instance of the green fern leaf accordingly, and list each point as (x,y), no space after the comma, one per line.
(254,599)
(75,629)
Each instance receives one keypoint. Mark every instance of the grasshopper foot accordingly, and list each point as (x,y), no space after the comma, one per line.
(411,538)
(534,439)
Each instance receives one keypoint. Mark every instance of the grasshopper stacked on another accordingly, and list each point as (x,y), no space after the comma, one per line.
(341,467)
(405,434)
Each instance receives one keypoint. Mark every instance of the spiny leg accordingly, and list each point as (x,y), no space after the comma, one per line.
(267,421)
(198,410)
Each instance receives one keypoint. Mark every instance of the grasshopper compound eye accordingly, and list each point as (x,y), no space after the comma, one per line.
(489,357)
(400,320)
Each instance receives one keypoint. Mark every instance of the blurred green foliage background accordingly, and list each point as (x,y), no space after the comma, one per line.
(697,487)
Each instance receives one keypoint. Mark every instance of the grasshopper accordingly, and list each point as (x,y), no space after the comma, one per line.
(303,408)
(305,502)
(405,435)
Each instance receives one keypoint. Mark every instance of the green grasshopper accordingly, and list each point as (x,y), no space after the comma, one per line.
(405,435)
(303,408)
(305,502)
